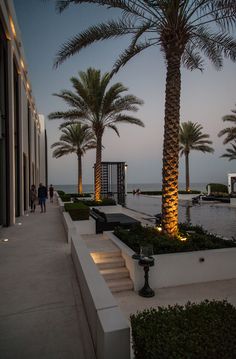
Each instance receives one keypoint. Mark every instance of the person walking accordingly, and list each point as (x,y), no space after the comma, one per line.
(42,196)
(51,193)
(33,196)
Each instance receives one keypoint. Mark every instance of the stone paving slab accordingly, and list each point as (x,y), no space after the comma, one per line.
(131,302)
(41,310)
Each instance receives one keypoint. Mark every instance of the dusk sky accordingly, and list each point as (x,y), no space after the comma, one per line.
(206,97)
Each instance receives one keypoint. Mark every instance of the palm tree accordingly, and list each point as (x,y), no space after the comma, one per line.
(100,107)
(230,132)
(183,29)
(192,138)
(231,152)
(75,138)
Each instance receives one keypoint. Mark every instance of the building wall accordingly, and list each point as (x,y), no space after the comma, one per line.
(22,133)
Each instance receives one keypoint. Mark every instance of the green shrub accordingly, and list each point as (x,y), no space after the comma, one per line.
(159,193)
(65,198)
(78,211)
(197,331)
(197,240)
(217,188)
(103,202)
(81,195)
(189,192)
(60,192)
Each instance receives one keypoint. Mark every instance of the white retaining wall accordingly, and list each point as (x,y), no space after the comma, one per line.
(109,328)
(181,268)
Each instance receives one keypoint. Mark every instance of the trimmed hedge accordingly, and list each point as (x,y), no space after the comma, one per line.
(217,188)
(81,195)
(198,331)
(78,211)
(103,202)
(198,239)
(60,192)
(65,198)
(159,193)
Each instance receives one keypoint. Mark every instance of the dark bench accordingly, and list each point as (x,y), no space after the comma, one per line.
(108,221)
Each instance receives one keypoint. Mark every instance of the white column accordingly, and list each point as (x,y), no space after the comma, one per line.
(21,114)
(11,143)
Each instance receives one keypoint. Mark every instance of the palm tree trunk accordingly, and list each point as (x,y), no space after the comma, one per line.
(98,169)
(80,186)
(187,171)
(171,145)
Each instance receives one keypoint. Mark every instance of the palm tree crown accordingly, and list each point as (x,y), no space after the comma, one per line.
(182,24)
(192,138)
(230,132)
(75,138)
(99,107)
(230,152)
(186,31)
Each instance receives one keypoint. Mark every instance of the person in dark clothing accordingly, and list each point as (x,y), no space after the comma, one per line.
(51,193)
(42,195)
(33,196)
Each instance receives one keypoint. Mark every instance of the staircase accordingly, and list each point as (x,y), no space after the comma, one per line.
(112,267)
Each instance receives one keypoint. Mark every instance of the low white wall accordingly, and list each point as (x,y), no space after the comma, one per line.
(182,268)
(109,328)
(233,202)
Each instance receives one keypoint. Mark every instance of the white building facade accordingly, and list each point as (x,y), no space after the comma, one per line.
(23,145)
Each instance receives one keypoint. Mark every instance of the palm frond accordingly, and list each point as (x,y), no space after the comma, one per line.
(109,30)
(128,54)
(129,119)
(230,152)
(67,115)
(114,128)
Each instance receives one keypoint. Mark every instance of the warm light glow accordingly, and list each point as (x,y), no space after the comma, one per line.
(183,238)
(22,64)
(12,27)
(158,228)
(96,256)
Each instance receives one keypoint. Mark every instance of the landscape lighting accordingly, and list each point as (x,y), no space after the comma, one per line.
(12,27)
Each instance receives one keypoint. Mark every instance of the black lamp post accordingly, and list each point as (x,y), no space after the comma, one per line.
(146,261)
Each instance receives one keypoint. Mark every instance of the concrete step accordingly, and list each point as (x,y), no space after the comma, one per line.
(108,254)
(110,262)
(119,285)
(115,273)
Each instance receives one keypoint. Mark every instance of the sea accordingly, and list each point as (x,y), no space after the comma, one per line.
(217,218)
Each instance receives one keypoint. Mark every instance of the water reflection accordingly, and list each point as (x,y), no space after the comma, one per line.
(216,218)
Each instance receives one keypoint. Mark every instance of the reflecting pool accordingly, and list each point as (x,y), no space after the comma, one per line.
(215,218)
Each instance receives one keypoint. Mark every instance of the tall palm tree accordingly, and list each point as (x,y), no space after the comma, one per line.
(230,132)
(231,152)
(183,29)
(192,138)
(100,107)
(75,138)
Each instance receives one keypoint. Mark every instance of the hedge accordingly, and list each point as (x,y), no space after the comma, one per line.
(217,188)
(81,195)
(159,193)
(77,211)
(197,239)
(60,192)
(65,198)
(103,202)
(195,331)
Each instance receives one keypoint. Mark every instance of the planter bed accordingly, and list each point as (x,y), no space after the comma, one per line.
(182,264)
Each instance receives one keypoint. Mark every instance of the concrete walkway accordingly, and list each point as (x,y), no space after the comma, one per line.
(41,310)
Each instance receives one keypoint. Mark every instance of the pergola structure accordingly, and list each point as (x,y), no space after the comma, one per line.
(231,183)
(114,181)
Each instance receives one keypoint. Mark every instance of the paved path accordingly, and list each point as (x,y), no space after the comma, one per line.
(41,310)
